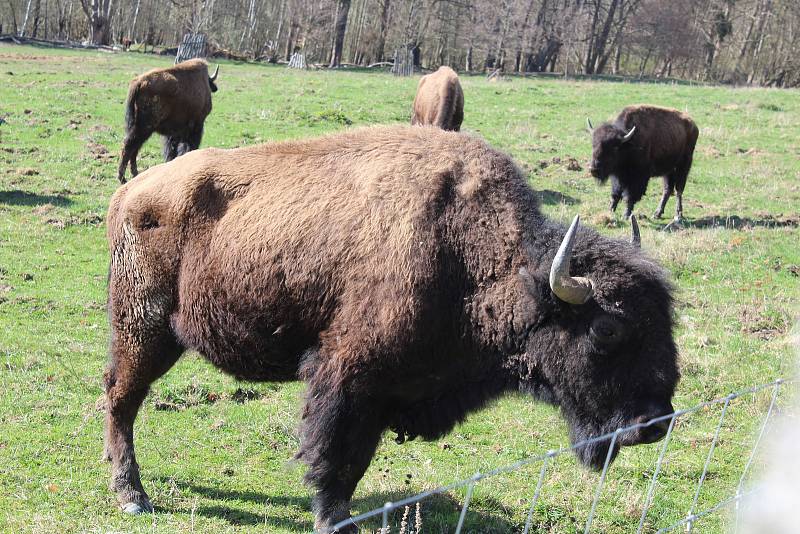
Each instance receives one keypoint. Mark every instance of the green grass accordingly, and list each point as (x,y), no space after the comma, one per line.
(216,454)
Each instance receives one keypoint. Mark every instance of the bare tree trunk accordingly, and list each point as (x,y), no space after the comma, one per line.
(135,16)
(37,17)
(98,12)
(600,57)
(381,46)
(339,29)
(25,20)
(355,53)
(278,32)
(588,66)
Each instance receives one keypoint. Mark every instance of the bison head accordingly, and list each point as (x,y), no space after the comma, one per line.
(608,141)
(600,345)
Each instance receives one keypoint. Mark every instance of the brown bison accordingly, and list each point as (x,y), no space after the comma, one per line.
(439,101)
(644,141)
(405,274)
(173,102)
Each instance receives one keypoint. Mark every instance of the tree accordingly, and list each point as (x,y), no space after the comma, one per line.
(98,12)
(339,29)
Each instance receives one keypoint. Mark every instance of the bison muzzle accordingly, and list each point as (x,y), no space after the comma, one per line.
(407,275)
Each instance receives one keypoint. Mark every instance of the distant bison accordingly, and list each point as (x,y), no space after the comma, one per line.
(173,102)
(405,274)
(439,101)
(642,142)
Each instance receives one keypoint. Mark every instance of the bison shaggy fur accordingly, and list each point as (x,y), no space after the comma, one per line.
(662,144)
(173,102)
(439,101)
(401,272)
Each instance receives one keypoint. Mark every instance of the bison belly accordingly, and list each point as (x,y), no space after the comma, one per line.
(244,326)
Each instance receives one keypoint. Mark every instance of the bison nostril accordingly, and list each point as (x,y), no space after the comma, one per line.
(654,431)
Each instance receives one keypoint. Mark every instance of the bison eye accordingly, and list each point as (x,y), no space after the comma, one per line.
(606,330)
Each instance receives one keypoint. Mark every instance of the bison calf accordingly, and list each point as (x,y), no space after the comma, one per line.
(439,101)
(642,142)
(173,102)
(405,274)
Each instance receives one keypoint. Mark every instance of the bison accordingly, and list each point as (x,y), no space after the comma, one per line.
(406,274)
(173,102)
(644,141)
(439,101)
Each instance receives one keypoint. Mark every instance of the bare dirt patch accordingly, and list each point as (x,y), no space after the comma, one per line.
(98,151)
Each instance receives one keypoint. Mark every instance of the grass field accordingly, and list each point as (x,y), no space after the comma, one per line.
(215,454)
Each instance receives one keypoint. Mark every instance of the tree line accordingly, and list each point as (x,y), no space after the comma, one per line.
(728,41)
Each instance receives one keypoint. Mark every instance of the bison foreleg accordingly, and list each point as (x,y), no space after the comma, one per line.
(339,434)
(616,193)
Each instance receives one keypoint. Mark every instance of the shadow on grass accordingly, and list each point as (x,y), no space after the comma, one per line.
(438,512)
(554,198)
(15,197)
(735,222)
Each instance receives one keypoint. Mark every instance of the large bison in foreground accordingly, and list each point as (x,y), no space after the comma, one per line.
(439,101)
(173,102)
(405,274)
(642,142)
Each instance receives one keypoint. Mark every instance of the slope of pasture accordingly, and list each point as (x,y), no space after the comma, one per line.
(215,454)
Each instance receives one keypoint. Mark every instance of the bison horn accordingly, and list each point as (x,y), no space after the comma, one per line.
(636,238)
(570,289)
(589,124)
(628,135)
(214,76)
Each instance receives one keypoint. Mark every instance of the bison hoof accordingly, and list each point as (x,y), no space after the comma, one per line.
(138,508)
(658,214)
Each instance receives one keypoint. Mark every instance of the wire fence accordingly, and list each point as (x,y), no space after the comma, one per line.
(384,519)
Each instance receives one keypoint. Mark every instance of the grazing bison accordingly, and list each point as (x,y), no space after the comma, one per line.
(173,102)
(405,274)
(439,101)
(644,141)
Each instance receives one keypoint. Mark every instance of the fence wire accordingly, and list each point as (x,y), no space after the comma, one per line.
(687,522)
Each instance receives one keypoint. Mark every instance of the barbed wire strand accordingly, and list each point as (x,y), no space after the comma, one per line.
(602,481)
(711,448)
(753,451)
(528,521)
(656,471)
(605,437)
(470,488)
(721,504)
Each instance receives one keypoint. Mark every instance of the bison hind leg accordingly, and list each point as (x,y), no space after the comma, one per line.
(130,150)
(669,185)
(680,176)
(143,348)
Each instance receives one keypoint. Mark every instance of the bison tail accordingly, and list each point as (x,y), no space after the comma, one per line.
(130,107)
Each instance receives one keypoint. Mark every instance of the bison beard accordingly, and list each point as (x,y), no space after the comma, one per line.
(405,274)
